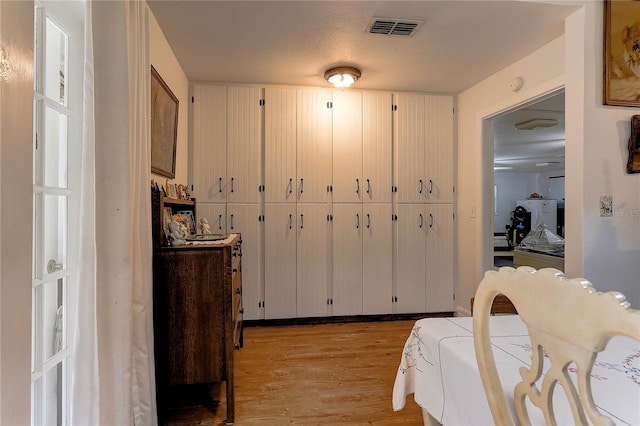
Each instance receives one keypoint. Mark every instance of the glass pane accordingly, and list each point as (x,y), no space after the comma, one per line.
(37,121)
(53,336)
(36,224)
(55,153)
(34,328)
(56,63)
(55,232)
(52,396)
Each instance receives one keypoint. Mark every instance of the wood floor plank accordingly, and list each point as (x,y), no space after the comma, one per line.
(329,374)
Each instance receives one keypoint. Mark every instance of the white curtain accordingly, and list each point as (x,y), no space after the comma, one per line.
(124,251)
(84,362)
(143,377)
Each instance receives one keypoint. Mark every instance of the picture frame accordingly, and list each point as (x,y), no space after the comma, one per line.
(173,193)
(621,53)
(633,164)
(166,220)
(164,127)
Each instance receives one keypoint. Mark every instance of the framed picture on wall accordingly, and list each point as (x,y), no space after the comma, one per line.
(164,127)
(622,53)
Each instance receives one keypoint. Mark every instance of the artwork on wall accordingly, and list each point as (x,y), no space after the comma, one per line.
(622,53)
(633,165)
(164,127)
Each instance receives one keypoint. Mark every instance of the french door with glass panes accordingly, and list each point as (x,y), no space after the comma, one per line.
(56,142)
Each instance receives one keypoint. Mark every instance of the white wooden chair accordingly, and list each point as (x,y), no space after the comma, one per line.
(568,321)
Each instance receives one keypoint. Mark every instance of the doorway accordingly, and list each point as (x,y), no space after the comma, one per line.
(528,173)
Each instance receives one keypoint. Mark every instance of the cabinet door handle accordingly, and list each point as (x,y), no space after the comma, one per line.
(357,186)
(301,186)
(357,220)
(231,184)
(290,185)
(290,221)
(368,221)
(220,222)
(421,185)
(430,186)
(430,220)
(231,221)
(220,184)
(421,221)
(301,221)
(368,187)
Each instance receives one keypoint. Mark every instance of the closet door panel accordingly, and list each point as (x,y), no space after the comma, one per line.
(280,145)
(313,251)
(439,144)
(209,143)
(377,147)
(314,150)
(244,219)
(280,261)
(347,259)
(411,254)
(244,149)
(347,147)
(377,254)
(439,258)
(410,136)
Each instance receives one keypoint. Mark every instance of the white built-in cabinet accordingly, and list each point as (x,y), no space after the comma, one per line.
(424,260)
(344,198)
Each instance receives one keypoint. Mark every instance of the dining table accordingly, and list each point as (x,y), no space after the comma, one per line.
(438,366)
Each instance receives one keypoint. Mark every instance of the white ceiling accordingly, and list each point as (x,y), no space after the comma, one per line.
(538,150)
(459,44)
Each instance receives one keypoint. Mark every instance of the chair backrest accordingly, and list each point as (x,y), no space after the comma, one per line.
(568,321)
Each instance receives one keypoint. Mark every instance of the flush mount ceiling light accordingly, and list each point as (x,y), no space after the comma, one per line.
(342,77)
(536,123)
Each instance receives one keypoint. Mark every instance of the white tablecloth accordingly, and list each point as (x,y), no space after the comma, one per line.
(439,367)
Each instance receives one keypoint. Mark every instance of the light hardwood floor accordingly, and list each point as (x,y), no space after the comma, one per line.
(330,374)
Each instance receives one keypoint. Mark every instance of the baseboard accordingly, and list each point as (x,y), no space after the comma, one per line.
(462,312)
(343,319)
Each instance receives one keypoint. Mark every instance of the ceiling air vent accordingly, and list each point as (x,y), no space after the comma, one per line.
(397,27)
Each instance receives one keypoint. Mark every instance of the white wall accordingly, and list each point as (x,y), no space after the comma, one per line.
(605,250)
(543,72)
(16,134)
(165,62)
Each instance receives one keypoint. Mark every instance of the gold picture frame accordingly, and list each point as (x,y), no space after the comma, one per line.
(164,127)
(621,53)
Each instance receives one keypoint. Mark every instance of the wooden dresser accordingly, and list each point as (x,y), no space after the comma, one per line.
(197,296)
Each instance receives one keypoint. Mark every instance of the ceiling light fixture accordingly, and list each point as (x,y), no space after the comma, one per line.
(536,123)
(342,77)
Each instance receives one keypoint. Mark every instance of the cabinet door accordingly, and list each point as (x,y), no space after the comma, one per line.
(280,232)
(377,263)
(244,154)
(244,219)
(347,147)
(314,125)
(439,259)
(376,147)
(347,259)
(280,145)
(209,143)
(439,145)
(410,258)
(314,231)
(410,136)
(216,215)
